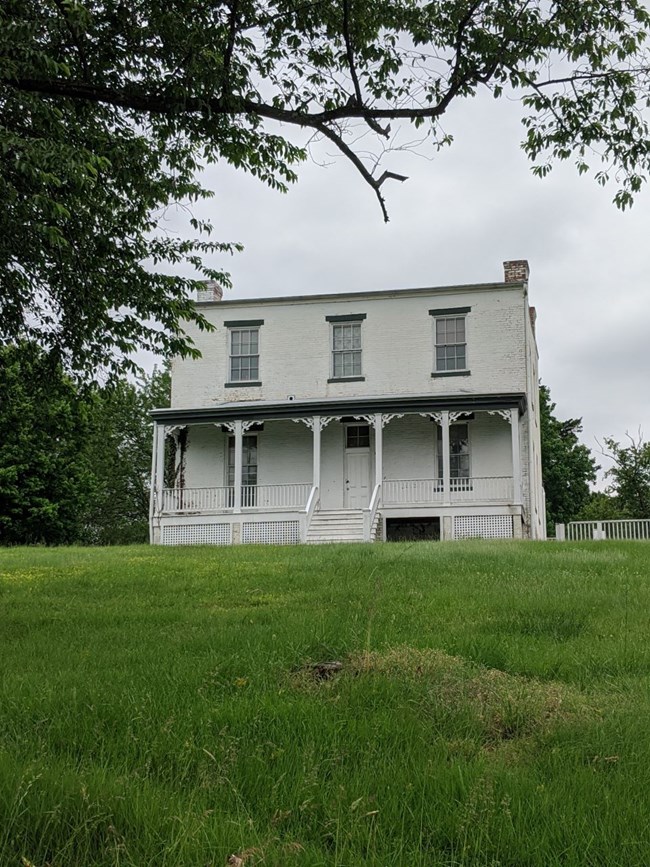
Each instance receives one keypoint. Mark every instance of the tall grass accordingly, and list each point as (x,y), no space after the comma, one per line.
(165,706)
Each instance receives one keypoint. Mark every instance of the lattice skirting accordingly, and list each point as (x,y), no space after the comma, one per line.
(196,534)
(483,527)
(271,532)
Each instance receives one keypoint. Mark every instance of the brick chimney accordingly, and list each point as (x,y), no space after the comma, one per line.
(212,291)
(516,271)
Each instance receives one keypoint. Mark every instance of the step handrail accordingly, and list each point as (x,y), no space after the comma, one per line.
(370,513)
(312,504)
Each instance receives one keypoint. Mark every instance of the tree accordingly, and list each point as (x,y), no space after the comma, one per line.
(118,449)
(567,465)
(45,479)
(630,475)
(110,109)
(601,506)
(75,462)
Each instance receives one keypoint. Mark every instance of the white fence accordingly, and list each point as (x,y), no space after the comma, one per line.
(406,492)
(578,531)
(176,500)
(275,496)
(197,499)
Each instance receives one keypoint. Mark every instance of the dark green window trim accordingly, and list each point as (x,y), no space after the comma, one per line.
(450,311)
(351,317)
(244,323)
(347,379)
(451,373)
(242,384)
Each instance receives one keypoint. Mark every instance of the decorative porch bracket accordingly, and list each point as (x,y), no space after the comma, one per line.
(378,421)
(443,419)
(316,423)
(238,428)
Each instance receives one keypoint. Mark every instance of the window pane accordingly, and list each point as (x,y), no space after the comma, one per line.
(234,336)
(235,368)
(357,437)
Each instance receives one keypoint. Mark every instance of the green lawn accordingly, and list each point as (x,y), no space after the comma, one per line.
(159,706)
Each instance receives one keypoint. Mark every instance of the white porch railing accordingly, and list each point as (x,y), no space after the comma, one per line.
(631,528)
(274,496)
(488,489)
(197,499)
(223,499)
(397,492)
(405,492)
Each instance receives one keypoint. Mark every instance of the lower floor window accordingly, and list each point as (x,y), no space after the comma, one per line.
(458,451)
(248,468)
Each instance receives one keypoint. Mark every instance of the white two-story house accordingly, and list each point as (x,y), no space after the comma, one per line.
(410,413)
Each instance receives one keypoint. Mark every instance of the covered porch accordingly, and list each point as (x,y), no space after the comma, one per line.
(278,473)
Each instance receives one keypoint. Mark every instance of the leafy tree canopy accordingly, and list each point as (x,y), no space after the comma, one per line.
(109,109)
(630,476)
(567,465)
(45,478)
(75,462)
(118,449)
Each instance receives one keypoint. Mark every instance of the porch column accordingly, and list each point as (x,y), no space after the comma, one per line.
(379,448)
(152,483)
(159,440)
(239,443)
(316,429)
(446,457)
(516,456)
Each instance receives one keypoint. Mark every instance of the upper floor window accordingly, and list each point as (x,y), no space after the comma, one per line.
(450,340)
(346,346)
(244,351)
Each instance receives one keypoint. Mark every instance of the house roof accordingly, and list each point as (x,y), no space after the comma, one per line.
(261,410)
(354,296)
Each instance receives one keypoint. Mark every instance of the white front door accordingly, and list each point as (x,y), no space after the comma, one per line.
(356,494)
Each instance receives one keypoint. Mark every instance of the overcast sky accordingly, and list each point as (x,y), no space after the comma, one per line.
(463,212)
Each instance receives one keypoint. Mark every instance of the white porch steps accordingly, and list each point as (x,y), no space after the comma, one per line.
(339,525)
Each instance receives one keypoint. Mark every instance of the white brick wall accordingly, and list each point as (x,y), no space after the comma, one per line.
(397,339)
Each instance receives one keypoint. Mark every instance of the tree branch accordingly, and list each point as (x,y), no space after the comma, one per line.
(138,100)
(75,36)
(347,151)
(230,47)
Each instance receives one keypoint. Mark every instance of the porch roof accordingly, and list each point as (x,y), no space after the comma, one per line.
(339,406)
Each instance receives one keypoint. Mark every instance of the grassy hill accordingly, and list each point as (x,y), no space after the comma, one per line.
(167,706)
